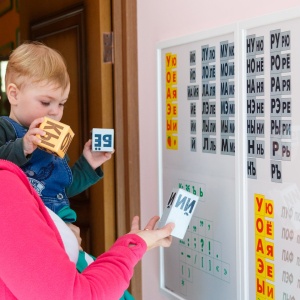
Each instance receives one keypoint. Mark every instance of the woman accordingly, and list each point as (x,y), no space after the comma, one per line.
(33,257)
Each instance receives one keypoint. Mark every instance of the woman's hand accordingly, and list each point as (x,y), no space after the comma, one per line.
(153,237)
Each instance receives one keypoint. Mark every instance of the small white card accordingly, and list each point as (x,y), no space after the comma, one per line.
(102,139)
(179,210)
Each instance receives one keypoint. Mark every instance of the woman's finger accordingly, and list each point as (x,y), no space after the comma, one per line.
(166,230)
(135,224)
(151,224)
(166,242)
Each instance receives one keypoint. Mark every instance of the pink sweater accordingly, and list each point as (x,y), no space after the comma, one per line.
(33,262)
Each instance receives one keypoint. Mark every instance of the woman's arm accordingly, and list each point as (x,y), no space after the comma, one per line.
(34,264)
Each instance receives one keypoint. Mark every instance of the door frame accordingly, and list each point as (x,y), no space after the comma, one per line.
(124,14)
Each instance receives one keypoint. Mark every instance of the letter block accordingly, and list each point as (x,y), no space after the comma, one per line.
(57,139)
(102,139)
(179,210)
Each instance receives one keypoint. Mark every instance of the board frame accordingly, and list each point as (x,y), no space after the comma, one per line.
(239,29)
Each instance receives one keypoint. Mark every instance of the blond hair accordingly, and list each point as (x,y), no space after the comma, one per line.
(34,62)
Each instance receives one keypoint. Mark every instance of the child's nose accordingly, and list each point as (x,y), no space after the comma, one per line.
(54,110)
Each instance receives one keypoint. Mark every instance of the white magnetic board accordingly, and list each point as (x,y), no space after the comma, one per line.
(229,119)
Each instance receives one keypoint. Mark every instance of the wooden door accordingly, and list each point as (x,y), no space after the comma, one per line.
(65,32)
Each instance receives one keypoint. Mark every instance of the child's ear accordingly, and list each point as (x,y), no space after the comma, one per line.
(12,92)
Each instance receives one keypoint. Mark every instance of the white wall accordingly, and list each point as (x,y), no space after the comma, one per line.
(160,20)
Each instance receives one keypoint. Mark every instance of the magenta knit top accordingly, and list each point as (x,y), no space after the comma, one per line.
(33,261)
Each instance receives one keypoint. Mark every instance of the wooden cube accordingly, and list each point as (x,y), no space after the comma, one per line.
(102,139)
(57,138)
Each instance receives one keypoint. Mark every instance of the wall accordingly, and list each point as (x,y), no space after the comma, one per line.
(158,21)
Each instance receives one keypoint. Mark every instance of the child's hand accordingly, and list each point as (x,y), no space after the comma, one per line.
(76,230)
(95,158)
(30,140)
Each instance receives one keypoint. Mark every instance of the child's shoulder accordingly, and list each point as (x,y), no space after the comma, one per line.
(4,123)
(6,128)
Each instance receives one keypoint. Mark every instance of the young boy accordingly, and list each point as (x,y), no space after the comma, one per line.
(38,85)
